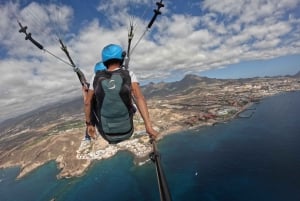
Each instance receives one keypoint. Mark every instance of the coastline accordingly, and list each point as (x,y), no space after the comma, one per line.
(72,164)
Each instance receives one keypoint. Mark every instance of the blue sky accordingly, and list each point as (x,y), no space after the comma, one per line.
(223,39)
(285,65)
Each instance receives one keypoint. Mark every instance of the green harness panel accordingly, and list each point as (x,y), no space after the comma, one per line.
(113,96)
(114,113)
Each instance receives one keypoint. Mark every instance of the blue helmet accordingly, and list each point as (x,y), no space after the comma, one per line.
(112,51)
(99,66)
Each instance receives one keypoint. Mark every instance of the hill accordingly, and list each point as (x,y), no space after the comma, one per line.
(189,81)
(297,75)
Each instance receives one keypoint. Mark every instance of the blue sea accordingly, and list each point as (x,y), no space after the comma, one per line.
(246,159)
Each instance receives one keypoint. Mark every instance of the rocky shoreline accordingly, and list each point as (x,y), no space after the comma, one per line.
(70,163)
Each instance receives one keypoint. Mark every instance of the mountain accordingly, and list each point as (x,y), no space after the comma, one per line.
(74,108)
(189,81)
(297,75)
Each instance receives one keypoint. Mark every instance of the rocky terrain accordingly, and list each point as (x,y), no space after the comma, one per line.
(55,132)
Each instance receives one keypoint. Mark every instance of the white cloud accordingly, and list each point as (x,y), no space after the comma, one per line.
(227,32)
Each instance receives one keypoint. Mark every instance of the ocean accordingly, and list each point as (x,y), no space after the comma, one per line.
(246,159)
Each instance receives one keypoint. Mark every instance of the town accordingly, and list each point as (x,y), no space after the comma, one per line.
(203,103)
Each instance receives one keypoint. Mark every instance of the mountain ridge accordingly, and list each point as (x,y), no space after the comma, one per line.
(74,106)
